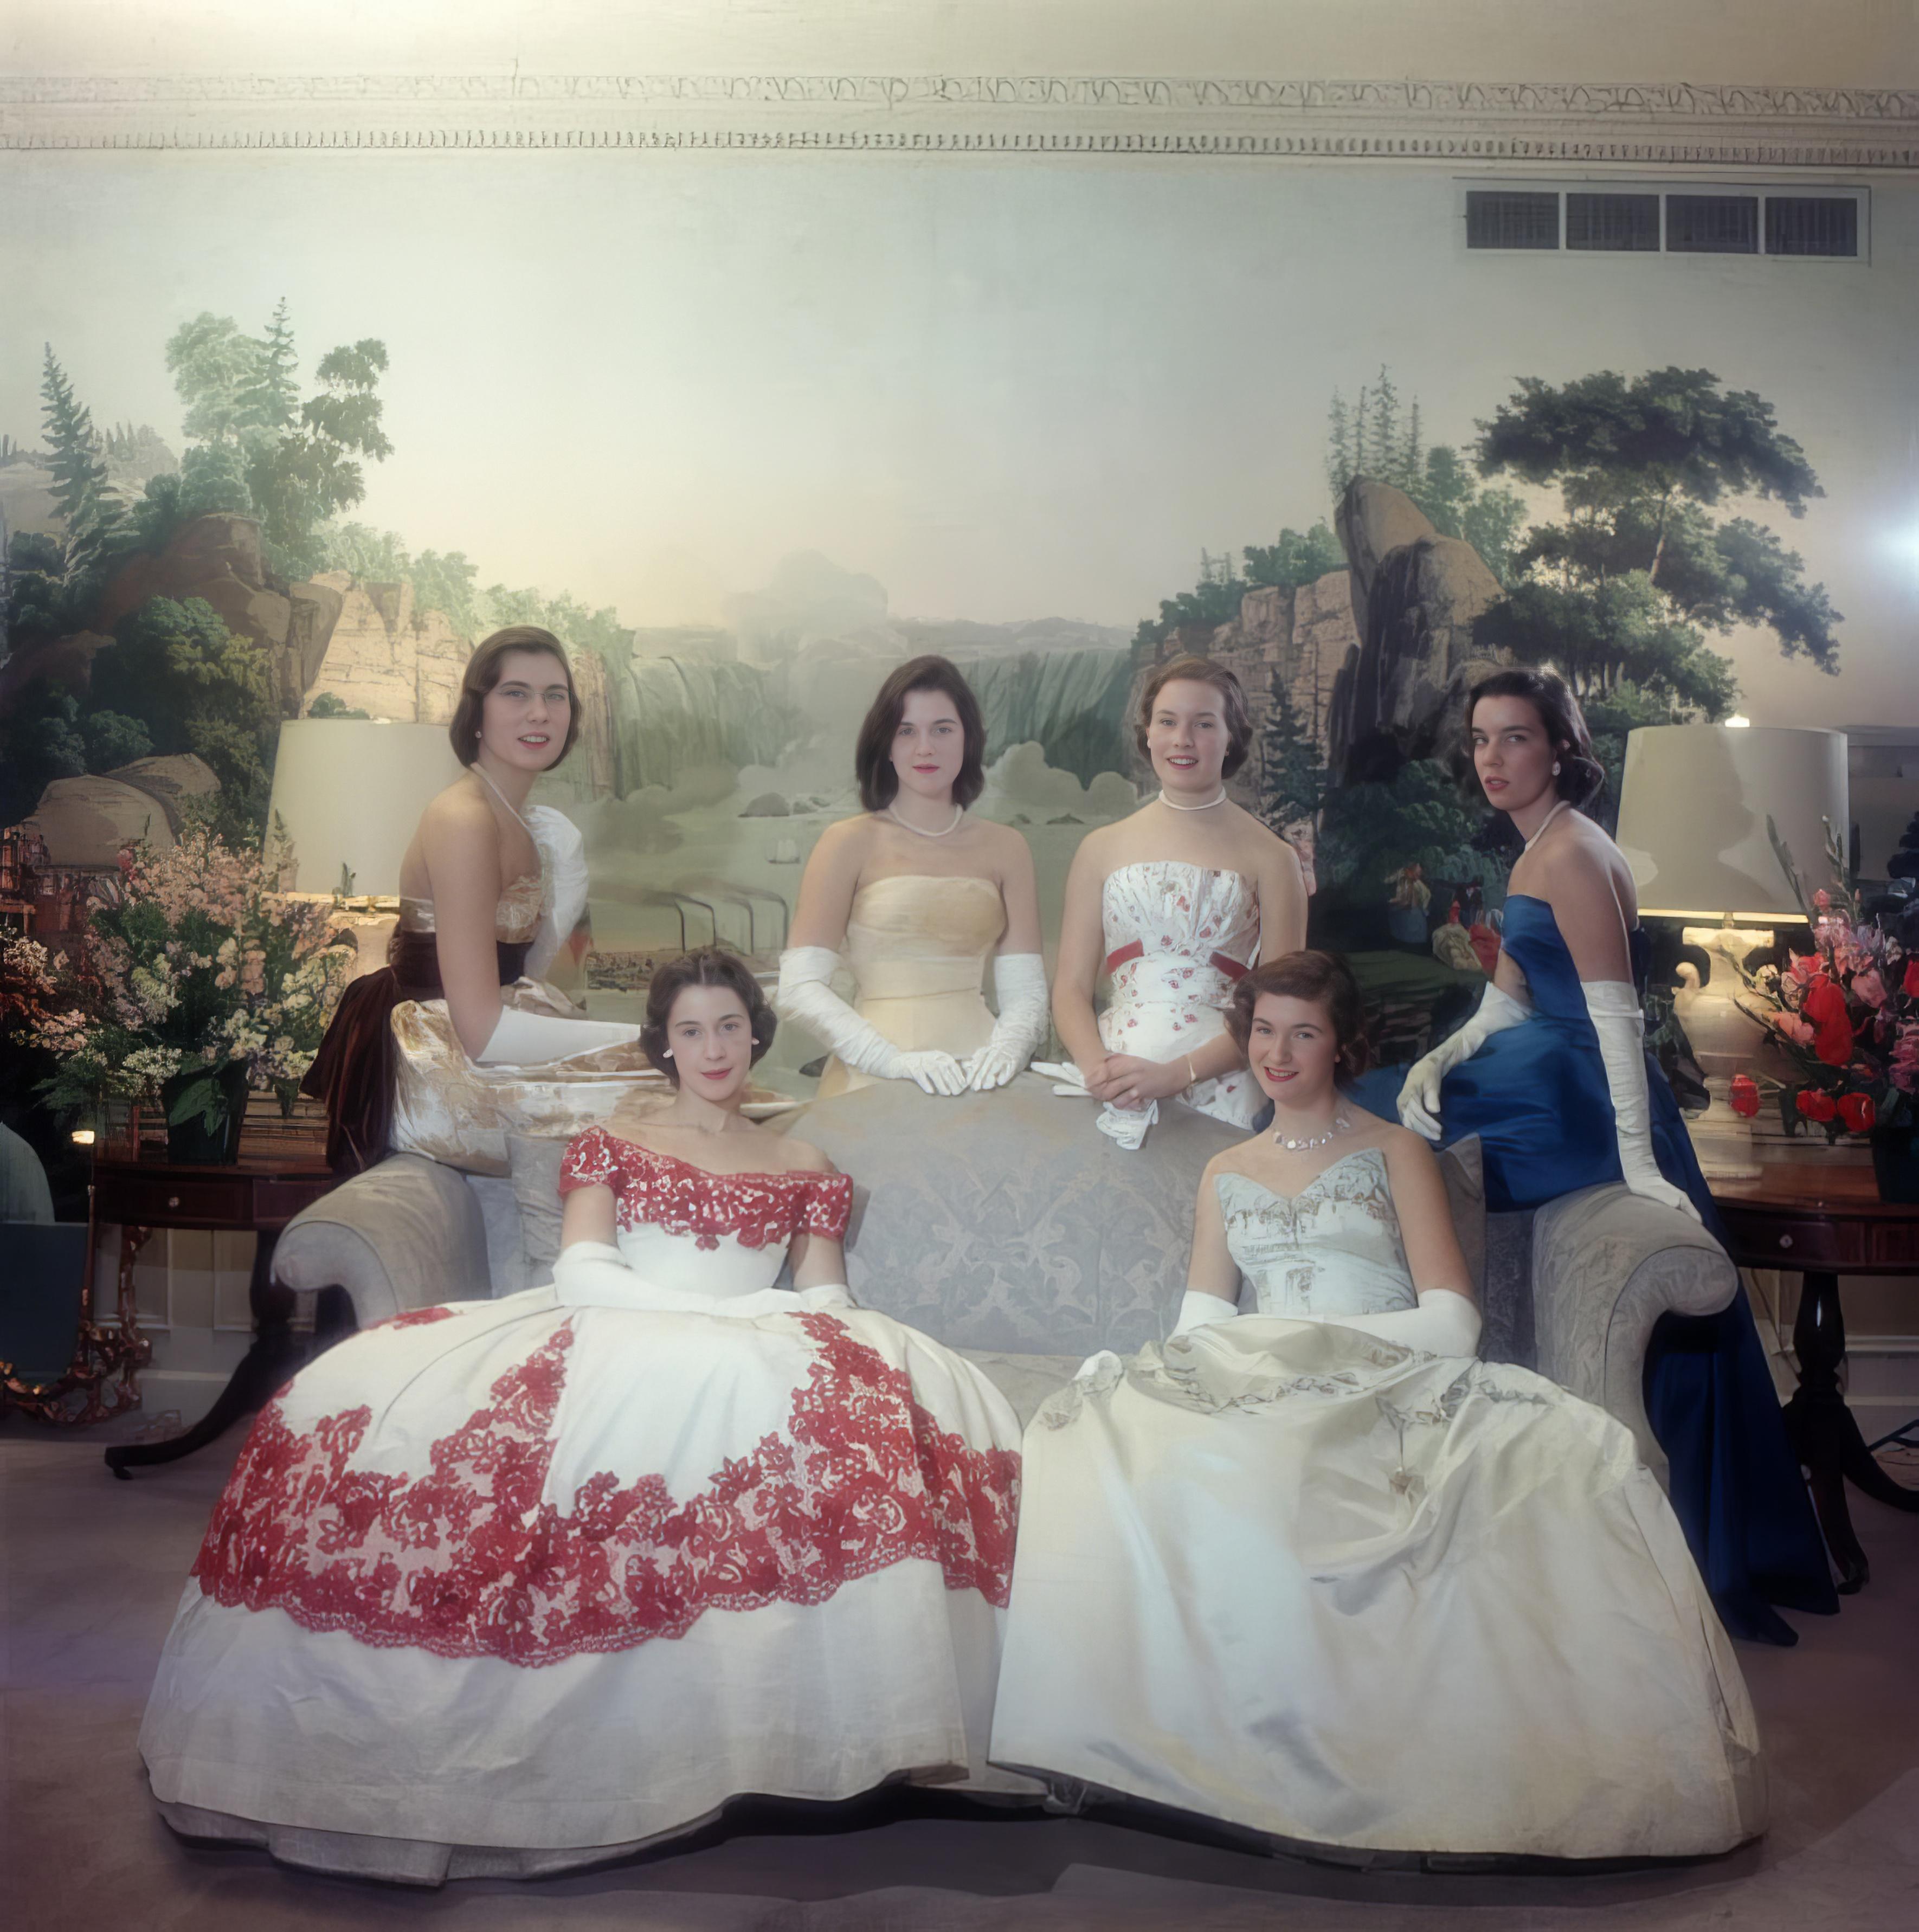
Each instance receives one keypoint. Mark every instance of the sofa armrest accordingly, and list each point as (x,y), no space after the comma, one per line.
(1607,1264)
(407,1234)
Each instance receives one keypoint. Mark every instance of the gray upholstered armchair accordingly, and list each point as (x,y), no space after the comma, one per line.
(1023,1237)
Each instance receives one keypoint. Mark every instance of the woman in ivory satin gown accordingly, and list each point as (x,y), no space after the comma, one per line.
(1550,1072)
(456,1041)
(1173,903)
(920,896)
(502,1587)
(1309,1568)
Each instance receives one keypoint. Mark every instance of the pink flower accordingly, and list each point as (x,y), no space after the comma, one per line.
(1870,987)
(1822,898)
(1799,1031)
(1904,1067)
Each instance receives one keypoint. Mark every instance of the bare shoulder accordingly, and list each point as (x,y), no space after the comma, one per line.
(1005,843)
(458,808)
(845,838)
(1397,1143)
(802,1156)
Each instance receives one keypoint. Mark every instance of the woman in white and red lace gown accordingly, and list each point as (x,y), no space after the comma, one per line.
(502,1587)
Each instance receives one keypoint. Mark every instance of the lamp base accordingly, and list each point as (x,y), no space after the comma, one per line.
(1722,1140)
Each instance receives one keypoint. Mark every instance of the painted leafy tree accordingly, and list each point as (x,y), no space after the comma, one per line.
(260,450)
(1620,593)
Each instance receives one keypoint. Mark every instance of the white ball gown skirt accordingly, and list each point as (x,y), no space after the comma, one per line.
(1349,1595)
(502,1587)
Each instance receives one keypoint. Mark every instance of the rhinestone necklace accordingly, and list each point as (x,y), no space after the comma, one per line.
(1340,1125)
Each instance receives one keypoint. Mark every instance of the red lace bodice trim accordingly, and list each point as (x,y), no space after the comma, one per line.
(465,1558)
(658,1190)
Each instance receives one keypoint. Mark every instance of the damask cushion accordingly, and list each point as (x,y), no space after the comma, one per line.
(532,1163)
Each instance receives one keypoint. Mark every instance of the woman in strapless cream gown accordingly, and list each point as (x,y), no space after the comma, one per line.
(1173,905)
(452,1044)
(920,897)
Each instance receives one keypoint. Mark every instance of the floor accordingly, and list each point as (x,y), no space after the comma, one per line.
(92,1568)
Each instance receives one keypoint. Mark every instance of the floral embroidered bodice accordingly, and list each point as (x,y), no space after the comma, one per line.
(1333,1248)
(1178,936)
(718,1235)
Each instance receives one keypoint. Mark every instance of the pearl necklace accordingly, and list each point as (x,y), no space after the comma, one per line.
(959,812)
(1340,1124)
(1543,823)
(1207,807)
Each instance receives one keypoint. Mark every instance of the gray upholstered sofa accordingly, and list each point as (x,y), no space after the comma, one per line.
(1014,1232)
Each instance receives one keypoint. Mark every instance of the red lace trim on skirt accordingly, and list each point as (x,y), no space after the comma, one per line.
(465,1560)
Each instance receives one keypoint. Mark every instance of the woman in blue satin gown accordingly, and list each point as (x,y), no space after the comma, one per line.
(1552,1075)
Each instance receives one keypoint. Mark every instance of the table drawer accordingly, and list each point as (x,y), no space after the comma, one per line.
(1783,1241)
(175,1200)
(277,1200)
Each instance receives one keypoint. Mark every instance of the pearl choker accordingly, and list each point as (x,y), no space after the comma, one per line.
(1207,807)
(959,812)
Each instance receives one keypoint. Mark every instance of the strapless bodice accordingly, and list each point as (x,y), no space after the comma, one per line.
(515,917)
(1176,932)
(1533,938)
(1333,1248)
(914,936)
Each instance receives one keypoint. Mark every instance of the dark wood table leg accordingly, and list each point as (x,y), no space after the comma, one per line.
(260,1375)
(1824,1435)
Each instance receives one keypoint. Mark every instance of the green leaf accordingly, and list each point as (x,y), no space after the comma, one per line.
(202,1096)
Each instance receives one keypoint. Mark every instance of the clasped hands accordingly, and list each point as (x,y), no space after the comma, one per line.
(1123,1080)
(936,1072)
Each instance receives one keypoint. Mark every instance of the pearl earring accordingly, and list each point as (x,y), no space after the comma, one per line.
(666,1053)
(1555,768)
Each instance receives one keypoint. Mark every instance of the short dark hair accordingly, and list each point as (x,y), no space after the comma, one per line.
(704,966)
(1232,705)
(1324,978)
(482,673)
(1581,777)
(872,751)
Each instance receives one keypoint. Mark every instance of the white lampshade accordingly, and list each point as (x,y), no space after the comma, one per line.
(350,791)
(1693,811)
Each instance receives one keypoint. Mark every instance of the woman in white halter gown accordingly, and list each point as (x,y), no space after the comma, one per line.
(1309,1568)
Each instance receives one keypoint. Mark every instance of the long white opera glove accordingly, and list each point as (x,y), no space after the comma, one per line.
(1019,984)
(1444,1324)
(1200,1310)
(591,1274)
(1126,1126)
(526,1039)
(1419,1096)
(564,850)
(1621,1028)
(806,994)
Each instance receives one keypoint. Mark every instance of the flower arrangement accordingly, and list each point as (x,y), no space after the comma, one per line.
(195,969)
(1845,1015)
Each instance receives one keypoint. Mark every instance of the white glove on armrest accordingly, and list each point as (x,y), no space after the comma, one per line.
(1445,1323)
(1200,1310)
(1622,1027)
(527,1039)
(1019,984)
(591,1273)
(806,994)
(1419,1097)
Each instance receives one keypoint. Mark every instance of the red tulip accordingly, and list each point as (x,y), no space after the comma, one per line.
(1825,1007)
(1816,1105)
(1744,1099)
(1909,985)
(1857,1112)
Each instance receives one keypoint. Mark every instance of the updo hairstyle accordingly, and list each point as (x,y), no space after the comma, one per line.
(1324,979)
(704,966)
(873,750)
(1581,777)
(1232,706)
(482,673)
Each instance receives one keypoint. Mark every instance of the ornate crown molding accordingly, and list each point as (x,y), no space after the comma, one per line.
(1678,125)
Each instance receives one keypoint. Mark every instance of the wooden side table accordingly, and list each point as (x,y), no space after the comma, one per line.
(1824,1221)
(256,1196)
